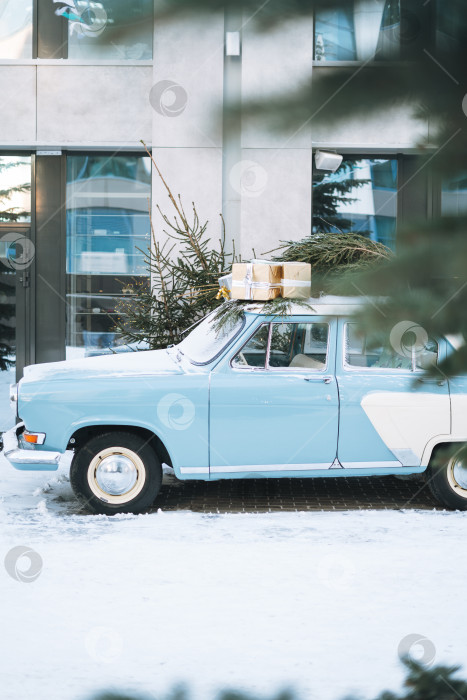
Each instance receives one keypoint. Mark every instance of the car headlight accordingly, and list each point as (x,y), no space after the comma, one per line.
(14,398)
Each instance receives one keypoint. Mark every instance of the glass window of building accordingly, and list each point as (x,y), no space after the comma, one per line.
(16,29)
(15,255)
(370,29)
(450,25)
(108,232)
(360,197)
(109,29)
(454,197)
(15,189)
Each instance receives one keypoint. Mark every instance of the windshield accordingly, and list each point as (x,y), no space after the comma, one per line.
(206,341)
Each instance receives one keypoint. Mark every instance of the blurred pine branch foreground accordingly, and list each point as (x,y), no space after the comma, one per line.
(424,77)
(421,683)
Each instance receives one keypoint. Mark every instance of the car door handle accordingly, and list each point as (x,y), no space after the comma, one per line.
(439,382)
(326,380)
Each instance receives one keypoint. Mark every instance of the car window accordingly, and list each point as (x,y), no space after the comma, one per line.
(375,351)
(299,346)
(253,354)
(207,340)
(428,356)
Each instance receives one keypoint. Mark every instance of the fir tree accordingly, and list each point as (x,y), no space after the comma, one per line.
(329,192)
(185,285)
(184,272)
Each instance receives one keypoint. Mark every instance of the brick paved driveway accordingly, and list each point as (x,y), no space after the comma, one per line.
(273,495)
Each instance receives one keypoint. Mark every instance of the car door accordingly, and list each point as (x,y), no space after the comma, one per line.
(389,409)
(274,401)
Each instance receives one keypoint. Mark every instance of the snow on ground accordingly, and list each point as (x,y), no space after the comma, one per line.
(315,601)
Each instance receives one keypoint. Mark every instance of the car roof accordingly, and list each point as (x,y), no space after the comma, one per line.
(327,305)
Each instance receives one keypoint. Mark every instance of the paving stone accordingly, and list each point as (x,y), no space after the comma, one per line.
(274,495)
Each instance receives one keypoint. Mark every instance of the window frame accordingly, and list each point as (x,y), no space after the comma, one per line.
(382,370)
(244,368)
(267,367)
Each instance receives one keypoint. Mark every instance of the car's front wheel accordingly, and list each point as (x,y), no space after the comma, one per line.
(116,472)
(447,476)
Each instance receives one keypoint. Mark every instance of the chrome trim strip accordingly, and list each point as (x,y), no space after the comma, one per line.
(194,470)
(370,465)
(248,468)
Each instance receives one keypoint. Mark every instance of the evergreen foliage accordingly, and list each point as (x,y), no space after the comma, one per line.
(335,258)
(421,683)
(328,193)
(426,283)
(427,280)
(7,312)
(185,268)
(427,84)
(184,272)
(9,213)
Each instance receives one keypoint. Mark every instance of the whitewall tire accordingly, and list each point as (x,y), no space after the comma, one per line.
(116,472)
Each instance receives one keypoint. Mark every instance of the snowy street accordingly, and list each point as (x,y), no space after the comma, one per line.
(317,601)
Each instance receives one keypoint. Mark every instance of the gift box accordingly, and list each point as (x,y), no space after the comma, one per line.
(296,280)
(259,280)
(226,281)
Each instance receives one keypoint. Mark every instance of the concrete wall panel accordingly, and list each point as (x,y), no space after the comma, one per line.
(18,113)
(93,104)
(275,63)
(195,174)
(190,57)
(276,198)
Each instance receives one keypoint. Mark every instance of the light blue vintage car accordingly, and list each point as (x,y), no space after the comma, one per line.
(308,395)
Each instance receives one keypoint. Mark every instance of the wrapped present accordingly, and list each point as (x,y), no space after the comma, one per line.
(225,287)
(296,280)
(226,281)
(258,280)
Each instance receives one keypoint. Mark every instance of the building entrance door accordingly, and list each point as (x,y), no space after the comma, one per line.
(16,268)
(16,261)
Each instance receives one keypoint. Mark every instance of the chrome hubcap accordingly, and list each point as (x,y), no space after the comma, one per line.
(116,475)
(459,470)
